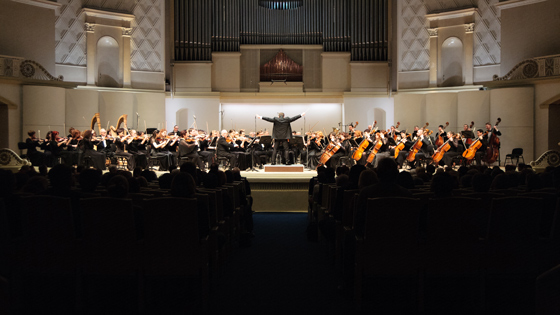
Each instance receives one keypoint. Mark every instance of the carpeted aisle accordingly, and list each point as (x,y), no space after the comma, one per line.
(281,273)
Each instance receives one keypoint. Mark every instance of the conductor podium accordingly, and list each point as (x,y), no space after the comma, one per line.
(283,168)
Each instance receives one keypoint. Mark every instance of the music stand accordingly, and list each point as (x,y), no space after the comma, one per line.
(266,142)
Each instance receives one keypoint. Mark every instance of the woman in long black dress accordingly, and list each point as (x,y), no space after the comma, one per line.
(98,158)
(138,147)
(36,157)
(122,141)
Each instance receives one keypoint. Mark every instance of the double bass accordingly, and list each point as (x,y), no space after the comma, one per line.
(493,149)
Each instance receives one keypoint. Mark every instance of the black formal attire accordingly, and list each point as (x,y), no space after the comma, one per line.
(105,146)
(121,152)
(454,151)
(281,133)
(36,157)
(98,158)
(189,150)
(138,148)
(205,152)
(224,148)
(162,154)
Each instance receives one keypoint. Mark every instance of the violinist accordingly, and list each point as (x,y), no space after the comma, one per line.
(206,154)
(175,131)
(54,145)
(98,158)
(172,146)
(158,143)
(32,142)
(224,149)
(104,144)
(72,153)
(122,142)
(137,146)
(189,149)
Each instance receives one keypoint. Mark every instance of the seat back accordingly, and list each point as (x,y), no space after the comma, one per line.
(453,230)
(348,202)
(49,240)
(109,237)
(513,234)
(171,242)
(391,231)
(517,151)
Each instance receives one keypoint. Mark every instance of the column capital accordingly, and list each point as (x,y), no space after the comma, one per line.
(90,27)
(469,28)
(127,31)
(433,32)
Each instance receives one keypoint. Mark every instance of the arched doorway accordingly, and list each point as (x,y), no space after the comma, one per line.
(452,62)
(108,63)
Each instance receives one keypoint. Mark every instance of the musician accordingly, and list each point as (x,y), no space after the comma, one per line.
(32,143)
(71,155)
(206,154)
(159,148)
(188,147)
(401,156)
(481,152)
(315,144)
(467,133)
(53,147)
(441,133)
(175,131)
(105,144)
(98,158)
(122,142)
(455,149)
(138,147)
(224,148)
(425,151)
(281,133)
(384,151)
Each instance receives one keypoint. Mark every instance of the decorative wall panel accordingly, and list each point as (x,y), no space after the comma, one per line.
(147,44)
(414,38)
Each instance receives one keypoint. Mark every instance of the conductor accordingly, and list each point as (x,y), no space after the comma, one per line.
(281,133)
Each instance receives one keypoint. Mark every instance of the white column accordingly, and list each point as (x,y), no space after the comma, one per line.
(469,52)
(126,33)
(433,32)
(90,53)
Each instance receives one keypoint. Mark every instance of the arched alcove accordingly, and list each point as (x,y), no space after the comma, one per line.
(379,115)
(182,118)
(108,63)
(452,62)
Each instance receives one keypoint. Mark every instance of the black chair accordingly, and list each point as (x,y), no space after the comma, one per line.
(152,158)
(22,146)
(516,154)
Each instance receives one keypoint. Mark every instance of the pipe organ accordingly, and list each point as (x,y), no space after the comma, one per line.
(205,26)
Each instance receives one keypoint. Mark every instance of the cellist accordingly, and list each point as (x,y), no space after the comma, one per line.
(454,149)
(482,150)
(426,149)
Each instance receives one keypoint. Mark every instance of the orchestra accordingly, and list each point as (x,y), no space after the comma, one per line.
(313,149)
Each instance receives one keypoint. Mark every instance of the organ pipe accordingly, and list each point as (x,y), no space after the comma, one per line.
(356,26)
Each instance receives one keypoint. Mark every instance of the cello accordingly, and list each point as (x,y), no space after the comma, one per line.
(374,151)
(438,155)
(399,147)
(415,147)
(329,152)
(493,149)
(357,154)
(471,151)
(439,140)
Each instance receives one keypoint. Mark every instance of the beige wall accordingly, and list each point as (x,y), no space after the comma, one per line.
(28,31)
(44,109)
(367,109)
(226,74)
(546,92)
(11,94)
(515,107)
(336,72)
(529,31)
(192,77)
(180,111)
